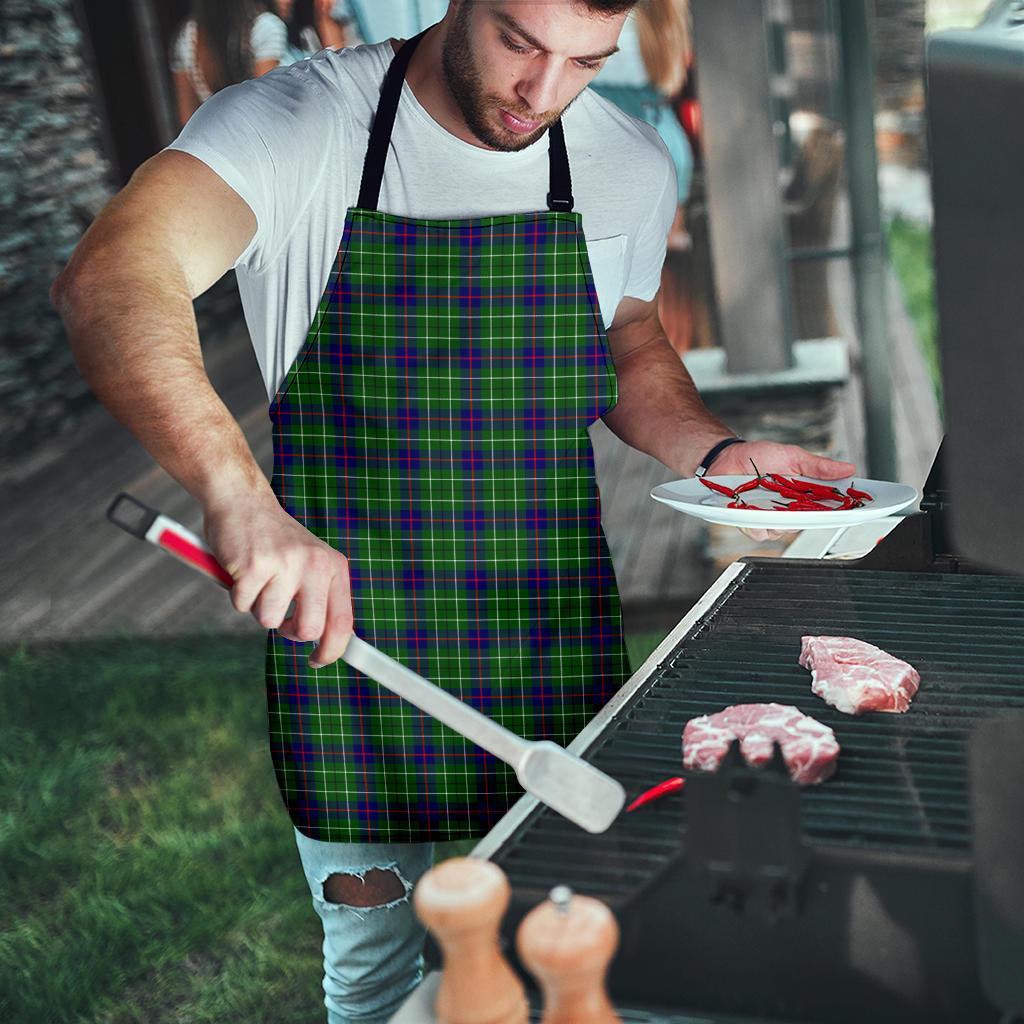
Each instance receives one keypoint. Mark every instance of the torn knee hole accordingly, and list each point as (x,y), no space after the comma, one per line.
(374,889)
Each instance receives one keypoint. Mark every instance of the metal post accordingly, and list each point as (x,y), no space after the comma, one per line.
(742,173)
(868,240)
(154,63)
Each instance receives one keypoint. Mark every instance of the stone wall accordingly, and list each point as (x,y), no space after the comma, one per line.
(54,178)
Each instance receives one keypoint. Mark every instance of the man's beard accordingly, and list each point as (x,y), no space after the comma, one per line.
(465,84)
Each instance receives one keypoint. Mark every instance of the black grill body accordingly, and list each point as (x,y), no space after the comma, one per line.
(847,901)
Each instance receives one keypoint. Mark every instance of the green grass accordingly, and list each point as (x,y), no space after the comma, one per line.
(910,248)
(149,872)
(641,645)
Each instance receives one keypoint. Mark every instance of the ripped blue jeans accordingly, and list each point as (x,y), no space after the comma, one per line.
(373,956)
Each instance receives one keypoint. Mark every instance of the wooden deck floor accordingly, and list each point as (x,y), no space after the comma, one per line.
(69,573)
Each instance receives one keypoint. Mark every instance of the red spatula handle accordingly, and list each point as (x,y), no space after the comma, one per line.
(147,524)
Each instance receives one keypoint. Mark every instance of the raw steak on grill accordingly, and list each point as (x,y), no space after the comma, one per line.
(808,747)
(855,677)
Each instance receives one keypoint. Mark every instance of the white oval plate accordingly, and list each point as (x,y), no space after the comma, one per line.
(693,498)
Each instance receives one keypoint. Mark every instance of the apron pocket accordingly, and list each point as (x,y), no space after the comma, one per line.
(608,266)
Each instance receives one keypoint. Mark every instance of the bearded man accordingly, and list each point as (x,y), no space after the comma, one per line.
(448,252)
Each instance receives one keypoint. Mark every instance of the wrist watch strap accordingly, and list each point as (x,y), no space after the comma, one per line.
(705,463)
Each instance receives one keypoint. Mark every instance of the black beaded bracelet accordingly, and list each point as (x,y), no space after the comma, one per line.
(705,463)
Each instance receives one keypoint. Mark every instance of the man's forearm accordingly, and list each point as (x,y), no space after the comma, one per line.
(134,338)
(660,411)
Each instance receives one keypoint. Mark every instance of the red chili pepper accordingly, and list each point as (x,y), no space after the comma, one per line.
(786,492)
(750,485)
(717,487)
(807,506)
(862,495)
(809,487)
(668,786)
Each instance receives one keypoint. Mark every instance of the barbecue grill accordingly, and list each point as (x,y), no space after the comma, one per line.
(895,890)
(746,896)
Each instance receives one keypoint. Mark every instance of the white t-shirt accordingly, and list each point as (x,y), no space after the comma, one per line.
(292,143)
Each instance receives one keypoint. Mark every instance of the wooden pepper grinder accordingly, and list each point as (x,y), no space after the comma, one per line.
(462,901)
(567,943)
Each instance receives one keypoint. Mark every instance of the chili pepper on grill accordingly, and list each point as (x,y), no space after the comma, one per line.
(668,786)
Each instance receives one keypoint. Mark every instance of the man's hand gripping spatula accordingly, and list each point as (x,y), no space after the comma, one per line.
(564,782)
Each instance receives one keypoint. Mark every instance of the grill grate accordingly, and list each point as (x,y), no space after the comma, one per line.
(901,784)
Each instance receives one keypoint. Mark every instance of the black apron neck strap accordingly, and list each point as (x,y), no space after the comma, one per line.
(560,187)
(560,184)
(383,122)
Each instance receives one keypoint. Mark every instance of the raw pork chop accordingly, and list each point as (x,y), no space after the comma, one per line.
(808,747)
(855,677)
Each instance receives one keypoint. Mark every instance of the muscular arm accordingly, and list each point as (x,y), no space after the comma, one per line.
(126,301)
(659,410)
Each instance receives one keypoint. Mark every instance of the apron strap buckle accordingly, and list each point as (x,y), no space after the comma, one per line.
(559,204)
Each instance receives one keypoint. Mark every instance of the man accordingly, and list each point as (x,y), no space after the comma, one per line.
(432,377)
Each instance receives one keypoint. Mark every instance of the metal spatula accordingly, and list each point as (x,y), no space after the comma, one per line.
(567,784)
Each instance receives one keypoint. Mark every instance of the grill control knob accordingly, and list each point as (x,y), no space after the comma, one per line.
(462,901)
(567,943)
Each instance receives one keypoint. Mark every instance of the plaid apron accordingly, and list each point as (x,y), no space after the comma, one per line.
(434,430)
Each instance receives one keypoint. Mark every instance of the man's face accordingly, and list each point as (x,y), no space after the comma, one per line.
(513,66)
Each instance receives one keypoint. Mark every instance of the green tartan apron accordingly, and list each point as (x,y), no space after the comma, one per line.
(433,429)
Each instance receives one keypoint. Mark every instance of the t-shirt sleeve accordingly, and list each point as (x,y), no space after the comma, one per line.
(269,37)
(652,238)
(269,140)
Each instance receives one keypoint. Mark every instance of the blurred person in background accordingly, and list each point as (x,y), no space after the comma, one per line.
(645,78)
(313,25)
(648,73)
(221,43)
(375,20)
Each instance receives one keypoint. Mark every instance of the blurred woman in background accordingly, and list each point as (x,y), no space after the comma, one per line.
(313,25)
(648,72)
(223,42)
(645,78)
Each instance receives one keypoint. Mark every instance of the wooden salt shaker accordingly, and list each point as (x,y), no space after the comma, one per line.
(567,943)
(462,901)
